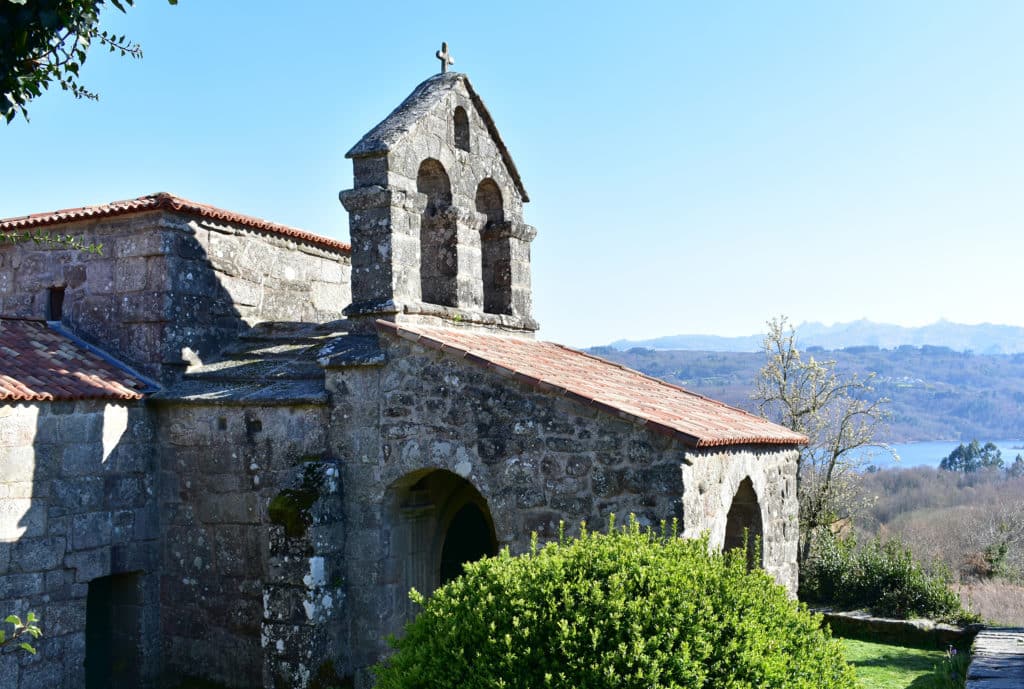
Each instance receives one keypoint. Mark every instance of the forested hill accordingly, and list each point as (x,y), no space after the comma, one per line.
(936,393)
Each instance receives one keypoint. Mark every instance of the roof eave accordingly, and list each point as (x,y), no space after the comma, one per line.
(687,439)
(164,201)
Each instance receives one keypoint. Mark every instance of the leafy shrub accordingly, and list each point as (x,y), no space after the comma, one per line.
(882,577)
(627,609)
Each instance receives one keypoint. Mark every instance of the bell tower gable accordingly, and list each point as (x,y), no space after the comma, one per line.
(436,216)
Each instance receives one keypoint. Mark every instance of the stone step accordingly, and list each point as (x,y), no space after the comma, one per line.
(273,349)
(258,369)
(997,660)
(295,331)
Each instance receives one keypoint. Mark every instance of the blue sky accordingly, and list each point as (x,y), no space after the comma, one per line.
(694,167)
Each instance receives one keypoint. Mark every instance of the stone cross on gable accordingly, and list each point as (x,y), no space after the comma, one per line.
(445,58)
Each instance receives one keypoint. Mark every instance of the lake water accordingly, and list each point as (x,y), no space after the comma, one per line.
(932,453)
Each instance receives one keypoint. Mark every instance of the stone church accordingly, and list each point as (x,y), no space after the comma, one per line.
(229,448)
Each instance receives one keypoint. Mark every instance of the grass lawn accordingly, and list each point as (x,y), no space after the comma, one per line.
(880,666)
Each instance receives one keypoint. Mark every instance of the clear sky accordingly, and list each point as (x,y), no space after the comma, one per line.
(695,167)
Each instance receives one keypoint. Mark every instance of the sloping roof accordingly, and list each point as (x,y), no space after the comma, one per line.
(695,420)
(393,128)
(165,201)
(38,363)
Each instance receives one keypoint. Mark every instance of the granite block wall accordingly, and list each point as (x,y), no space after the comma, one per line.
(251,588)
(77,505)
(171,290)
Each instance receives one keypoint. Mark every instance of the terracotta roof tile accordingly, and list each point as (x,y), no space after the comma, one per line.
(38,363)
(614,389)
(165,201)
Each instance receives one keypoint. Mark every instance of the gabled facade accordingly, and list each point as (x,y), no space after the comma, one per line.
(301,431)
(436,216)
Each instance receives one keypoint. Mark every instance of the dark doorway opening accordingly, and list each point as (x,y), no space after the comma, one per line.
(468,539)
(113,613)
(743,528)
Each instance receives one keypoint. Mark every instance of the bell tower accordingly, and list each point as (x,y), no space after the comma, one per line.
(436,217)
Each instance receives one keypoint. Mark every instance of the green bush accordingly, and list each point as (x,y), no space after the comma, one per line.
(626,609)
(882,577)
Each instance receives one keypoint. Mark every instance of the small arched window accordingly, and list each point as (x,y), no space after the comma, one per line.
(461,129)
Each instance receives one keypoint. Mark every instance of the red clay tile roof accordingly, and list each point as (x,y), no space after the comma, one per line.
(165,201)
(37,363)
(697,421)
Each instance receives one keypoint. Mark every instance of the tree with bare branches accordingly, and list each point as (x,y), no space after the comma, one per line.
(840,415)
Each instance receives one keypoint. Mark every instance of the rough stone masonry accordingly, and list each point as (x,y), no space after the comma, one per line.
(229,448)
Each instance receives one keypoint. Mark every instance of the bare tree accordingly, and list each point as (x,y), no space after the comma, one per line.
(840,415)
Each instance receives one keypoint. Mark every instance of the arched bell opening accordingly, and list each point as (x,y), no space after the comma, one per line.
(743,526)
(438,521)
(495,251)
(439,264)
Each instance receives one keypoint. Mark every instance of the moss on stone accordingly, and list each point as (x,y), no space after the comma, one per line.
(290,509)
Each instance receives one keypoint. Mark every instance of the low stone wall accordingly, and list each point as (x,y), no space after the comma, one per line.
(921,633)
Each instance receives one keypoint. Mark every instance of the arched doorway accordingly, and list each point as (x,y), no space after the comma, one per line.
(744,518)
(437,522)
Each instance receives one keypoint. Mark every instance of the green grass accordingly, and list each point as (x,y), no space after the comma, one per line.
(881,666)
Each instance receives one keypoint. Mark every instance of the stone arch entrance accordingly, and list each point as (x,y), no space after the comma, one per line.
(744,518)
(438,521)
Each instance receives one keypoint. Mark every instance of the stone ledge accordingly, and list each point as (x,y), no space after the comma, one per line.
(920,632)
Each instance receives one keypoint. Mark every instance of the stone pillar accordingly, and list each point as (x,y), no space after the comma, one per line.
(519,236)
(385,250)
(469,283)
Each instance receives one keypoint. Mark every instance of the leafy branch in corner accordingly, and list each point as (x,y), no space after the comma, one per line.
(45,42)
(56,241)
(21,631)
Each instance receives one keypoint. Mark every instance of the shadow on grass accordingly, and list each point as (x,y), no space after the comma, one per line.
(882,666)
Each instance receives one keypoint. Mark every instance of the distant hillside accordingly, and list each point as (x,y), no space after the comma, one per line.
(980,339)
(936,393)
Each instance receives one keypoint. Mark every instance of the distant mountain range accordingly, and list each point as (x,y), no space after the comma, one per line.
(985,338)
(935,392)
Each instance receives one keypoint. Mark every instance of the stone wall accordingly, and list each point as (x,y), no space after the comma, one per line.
(712,479)
(170,289)
(77,486)
(536,460)
(251,587)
